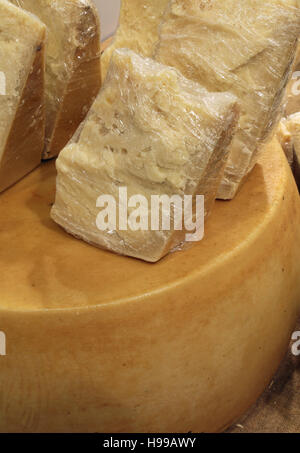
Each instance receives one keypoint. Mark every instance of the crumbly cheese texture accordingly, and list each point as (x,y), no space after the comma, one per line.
(246,47)
(73,75)
(138,28)
(22,42)
(152,132)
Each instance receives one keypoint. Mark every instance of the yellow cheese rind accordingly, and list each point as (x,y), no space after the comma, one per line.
(102,343)
(138,28)
(22,119)
(244,46)
(154,133)
(73,76)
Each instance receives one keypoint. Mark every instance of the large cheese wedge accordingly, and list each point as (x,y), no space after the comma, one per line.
(73,76)
(138,28)
(22,122)
(154,134)
(97,342)
(245,46)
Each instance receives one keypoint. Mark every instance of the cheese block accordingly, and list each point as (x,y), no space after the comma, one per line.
(293,91)
(286,140)
(22,122)
(244,46)
(138,28)
(73,75)
(98,342)
(293,125)
(154,133)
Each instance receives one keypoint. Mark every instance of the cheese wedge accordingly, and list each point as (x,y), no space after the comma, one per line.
(73,75)
(293,91)
(285,138)
(152,132)
(293,126)
(138,28)
(22,121)
(244,46)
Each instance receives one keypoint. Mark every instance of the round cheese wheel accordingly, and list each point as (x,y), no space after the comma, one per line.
(96,342)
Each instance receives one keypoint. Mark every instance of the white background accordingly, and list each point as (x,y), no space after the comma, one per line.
(109,16)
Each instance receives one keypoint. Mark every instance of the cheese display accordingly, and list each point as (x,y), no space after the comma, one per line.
(22,39)
(73,75)
(98,342)
(154,133)
(138,28)
(244,46)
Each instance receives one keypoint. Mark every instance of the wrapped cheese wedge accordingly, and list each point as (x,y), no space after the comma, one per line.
(22,121)
(73,75)
(285,138)
(153,133)
(293,126)
(293,91)
(138,28)
(246,47)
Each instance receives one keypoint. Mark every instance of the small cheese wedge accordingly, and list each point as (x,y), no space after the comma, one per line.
(152,132)
(293,91)
(22,120)
(73,75)
(243,46)
(138,28)
(293,125)
(285,138)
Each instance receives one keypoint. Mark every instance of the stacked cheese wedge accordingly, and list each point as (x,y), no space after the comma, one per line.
(50,73)
(132,137)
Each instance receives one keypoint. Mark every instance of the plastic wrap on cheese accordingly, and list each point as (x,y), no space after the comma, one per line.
(292,103)
(138,28)
(246,47)
(150,133)
(73,76)
(292,124)
(22,119)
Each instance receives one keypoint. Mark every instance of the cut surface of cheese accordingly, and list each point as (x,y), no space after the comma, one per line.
(243,46)
(22,122)
(138,28)
(73,75)
(155,134)
(98,342)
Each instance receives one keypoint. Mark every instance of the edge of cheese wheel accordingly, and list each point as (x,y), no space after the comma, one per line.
(185,345)
(22,105)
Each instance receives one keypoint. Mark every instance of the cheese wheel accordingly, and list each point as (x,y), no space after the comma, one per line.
(102,343)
